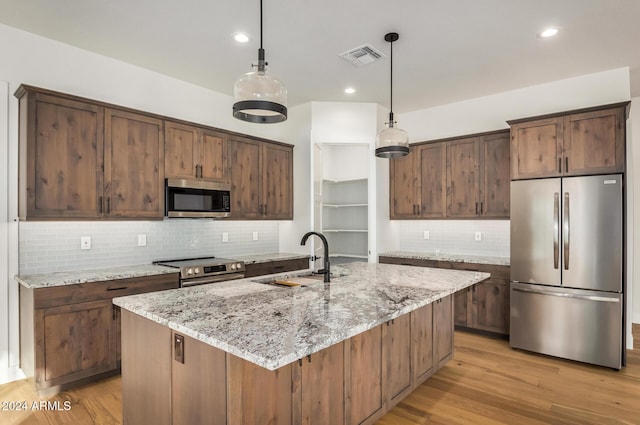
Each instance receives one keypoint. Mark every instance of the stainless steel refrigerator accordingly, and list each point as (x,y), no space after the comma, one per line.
(567,255)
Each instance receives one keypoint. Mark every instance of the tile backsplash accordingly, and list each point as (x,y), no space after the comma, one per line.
(55,246)
(456,237)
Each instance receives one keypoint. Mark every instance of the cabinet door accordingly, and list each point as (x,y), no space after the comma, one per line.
(64,154)
(461,307)
(323,387)
(536,148)
(422,343)
(198,383)
(403,178)
(277,182)
(491,306)
(213,161)
(594,142)
(245,175)
(134,165)
(180,151)
(495,177)
(463,178)
(398,343)
(443,330)
(258,396)
(78,341)
(364,390)
(432,165)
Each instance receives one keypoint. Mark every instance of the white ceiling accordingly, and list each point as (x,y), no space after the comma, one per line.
(449,50)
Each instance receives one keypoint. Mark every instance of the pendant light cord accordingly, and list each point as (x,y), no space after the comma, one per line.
(261,24)
(391,78)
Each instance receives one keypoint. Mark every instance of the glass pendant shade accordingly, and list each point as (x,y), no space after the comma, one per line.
(259,98)
(392,142)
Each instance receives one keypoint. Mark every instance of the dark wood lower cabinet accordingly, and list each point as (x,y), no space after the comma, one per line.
(279,266)
(484,306)
(171,378)
(70,334)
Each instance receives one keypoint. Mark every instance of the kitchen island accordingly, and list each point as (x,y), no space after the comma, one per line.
(248,352)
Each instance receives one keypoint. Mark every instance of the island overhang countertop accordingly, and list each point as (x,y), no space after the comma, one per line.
(273,326)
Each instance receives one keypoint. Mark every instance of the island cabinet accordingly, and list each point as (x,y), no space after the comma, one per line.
(171,378)
(70,334)
(261,175)
(582,142)
(194,153)
(277,266)
(464,177)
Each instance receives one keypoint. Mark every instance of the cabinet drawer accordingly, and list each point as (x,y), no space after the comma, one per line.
(271,267)
(94,291)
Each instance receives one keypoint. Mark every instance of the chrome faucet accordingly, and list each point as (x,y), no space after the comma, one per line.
(326,270)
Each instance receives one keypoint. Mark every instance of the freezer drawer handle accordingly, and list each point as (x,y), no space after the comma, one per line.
(565,231)
(568,295)
(556,229)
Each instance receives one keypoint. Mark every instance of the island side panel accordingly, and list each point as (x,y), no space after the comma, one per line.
(443,330)
(398,345)
(146,371)
(199,382)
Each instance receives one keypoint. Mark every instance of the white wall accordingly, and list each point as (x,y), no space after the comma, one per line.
(34,60)
(491,113)
(633,189)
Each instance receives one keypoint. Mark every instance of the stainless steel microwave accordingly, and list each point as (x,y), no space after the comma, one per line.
(196,199)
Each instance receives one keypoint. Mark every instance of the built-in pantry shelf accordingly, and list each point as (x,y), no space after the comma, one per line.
(345,230)
(344,205)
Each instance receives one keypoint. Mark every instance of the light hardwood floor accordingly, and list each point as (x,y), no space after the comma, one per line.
(486,383)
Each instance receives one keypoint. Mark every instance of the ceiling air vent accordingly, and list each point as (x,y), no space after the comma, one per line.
(361,55)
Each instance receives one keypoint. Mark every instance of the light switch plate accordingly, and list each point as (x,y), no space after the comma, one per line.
(255,236)
(85,242)
(426,234)
(478,236)
(225,237)
(142,240)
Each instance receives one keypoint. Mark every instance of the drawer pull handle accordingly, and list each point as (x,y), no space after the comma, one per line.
(117,288)
(278,267)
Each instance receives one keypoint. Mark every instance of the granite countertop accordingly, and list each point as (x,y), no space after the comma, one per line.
(265,258)
(45,280)
(458,258)
(273,326)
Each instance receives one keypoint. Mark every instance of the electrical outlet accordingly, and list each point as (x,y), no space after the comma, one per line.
(255,236)
(478,236)
(426,234)
(142,240)
(85,242)
(225,237)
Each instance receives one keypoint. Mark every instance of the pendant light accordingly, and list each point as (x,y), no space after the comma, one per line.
(392,142)
(260,97)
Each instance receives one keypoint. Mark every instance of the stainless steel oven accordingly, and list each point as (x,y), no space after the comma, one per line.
(203,270)
(196,199)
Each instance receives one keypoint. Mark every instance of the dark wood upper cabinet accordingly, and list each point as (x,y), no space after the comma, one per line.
(589,141)
(194,153)
(61,157)
(465,177)
(84,159)
(261,179)
(134,165)
(418,183)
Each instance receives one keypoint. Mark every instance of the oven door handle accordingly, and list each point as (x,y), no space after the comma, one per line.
(210,279)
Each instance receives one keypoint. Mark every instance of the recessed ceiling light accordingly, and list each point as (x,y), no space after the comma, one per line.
(241,37)
(549,32)
(349,90)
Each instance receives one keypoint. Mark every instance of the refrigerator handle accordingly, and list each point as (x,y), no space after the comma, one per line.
(568,295)
(565,230)
(556,229)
